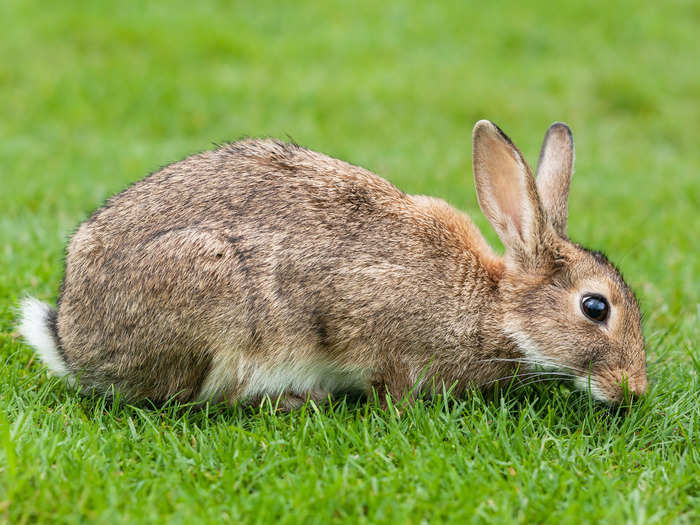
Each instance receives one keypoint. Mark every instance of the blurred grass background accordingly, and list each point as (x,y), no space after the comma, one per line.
(94,95)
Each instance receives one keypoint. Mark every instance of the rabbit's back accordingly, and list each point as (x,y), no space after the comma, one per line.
(260,254)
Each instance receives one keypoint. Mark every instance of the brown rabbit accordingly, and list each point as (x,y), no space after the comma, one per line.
(265,269)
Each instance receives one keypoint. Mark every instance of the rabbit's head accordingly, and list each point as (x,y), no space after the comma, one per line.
(565,307)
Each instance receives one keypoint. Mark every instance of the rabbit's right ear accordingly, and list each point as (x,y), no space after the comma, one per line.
(507,192)
(554,170)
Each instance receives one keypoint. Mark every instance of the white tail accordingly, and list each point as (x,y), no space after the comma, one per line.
(34,327)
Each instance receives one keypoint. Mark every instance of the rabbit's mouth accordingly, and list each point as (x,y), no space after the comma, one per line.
(614,385)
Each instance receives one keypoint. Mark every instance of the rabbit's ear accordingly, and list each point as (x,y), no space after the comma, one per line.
(507,192)
(554,170)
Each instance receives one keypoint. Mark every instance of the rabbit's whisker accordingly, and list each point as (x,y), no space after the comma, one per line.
(539,380)
(529,375)
(534,362)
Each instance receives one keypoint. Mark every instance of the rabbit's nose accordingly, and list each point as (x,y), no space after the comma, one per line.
(635,383)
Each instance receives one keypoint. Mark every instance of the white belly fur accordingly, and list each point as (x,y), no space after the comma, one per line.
(230,371)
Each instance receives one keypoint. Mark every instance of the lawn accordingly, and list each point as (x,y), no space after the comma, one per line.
(94,96)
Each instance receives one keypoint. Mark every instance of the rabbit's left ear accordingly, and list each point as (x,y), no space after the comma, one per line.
(554,170)
(507,193)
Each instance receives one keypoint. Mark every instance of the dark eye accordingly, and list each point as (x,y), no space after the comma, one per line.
(595,307)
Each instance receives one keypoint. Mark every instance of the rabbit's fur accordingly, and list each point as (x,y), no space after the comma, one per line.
(265,269)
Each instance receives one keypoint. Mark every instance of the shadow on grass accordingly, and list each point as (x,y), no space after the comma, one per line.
(554,405)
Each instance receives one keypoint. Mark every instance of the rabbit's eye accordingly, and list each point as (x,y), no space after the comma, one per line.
(595,307)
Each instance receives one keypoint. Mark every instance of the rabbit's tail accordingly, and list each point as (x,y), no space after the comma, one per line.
(38,327)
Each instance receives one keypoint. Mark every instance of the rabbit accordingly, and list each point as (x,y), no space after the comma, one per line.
(263,269)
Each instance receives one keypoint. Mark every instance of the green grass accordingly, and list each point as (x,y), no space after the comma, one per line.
(96,95)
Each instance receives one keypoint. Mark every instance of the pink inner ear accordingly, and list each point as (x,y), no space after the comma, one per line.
(505,184)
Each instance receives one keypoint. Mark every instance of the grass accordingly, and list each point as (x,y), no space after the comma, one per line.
(93,97)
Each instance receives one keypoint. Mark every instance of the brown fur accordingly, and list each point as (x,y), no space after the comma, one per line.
(267,254)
